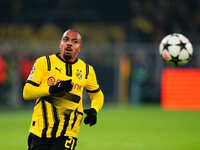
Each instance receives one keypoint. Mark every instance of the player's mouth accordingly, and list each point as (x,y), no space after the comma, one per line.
(68,50)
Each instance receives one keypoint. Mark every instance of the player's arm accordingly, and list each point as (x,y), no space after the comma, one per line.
(32,89)
(96,97)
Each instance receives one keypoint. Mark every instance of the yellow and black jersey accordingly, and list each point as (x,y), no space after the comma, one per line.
(60,115)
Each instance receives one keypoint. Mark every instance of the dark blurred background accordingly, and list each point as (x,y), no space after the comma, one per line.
(121,40)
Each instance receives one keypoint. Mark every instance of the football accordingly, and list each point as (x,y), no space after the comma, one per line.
(176,49)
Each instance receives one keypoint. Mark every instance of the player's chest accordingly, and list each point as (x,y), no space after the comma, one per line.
(66,71)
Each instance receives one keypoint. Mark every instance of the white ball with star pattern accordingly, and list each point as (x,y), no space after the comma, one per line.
(175,49)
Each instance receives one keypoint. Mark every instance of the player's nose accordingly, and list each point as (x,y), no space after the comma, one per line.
(69,44)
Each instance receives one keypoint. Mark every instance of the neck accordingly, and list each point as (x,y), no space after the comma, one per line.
(67,60)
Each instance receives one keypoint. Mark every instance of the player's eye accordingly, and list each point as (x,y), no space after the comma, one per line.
(75,41)
(65,39)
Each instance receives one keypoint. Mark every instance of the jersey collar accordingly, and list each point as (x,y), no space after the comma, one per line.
(66,61)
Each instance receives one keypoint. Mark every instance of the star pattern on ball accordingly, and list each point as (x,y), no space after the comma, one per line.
(182,45)
(166,45)
(175,49)
(175,60)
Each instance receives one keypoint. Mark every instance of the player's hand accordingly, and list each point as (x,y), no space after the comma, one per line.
(61,86)
(91,117)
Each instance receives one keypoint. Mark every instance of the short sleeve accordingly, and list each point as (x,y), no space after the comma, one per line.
(38,71)
(92,84)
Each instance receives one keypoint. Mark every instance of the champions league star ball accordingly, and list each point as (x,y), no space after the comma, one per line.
(175,49)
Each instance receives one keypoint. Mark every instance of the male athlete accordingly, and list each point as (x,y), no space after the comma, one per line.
(57,82)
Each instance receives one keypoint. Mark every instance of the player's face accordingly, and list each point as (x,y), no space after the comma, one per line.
(70,45)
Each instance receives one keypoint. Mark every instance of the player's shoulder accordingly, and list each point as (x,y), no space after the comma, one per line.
(89,68)
(51,56)
(40,59)
(44,58)
(84,62)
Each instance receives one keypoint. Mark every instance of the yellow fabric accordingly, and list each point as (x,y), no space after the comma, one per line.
(39,70)
(50,109)
(97,100)
(30,90)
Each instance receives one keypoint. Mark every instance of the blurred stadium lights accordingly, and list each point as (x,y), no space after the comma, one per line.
(111,31)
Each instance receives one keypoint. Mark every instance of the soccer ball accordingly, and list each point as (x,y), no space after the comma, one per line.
(175,49)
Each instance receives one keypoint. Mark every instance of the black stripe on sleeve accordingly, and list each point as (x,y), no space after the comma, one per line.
(32,83)
(56,122)
(87,71)
(48,63)
(66,123)
(93,91)
(44,112)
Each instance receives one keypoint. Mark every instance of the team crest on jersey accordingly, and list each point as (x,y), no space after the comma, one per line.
(79,74)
